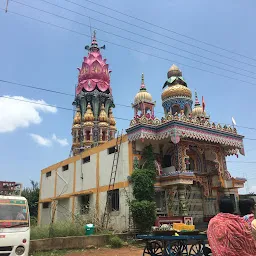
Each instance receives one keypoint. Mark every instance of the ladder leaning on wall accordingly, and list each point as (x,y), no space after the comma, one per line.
(112,180)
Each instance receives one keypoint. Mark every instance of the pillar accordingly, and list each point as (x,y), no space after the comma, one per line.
(183,204)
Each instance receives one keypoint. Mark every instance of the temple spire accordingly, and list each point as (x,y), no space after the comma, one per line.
(197,103)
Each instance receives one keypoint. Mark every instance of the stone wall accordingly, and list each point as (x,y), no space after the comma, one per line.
(75,242)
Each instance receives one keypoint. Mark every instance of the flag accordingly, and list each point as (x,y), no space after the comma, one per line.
(203,103)
(233,121)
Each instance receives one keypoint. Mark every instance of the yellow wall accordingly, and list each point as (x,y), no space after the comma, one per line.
(52,187)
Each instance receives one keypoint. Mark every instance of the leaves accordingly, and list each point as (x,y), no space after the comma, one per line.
(144,214)
(32,195)
(144,208)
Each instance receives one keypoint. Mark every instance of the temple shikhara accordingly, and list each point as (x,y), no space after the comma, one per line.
(190,153)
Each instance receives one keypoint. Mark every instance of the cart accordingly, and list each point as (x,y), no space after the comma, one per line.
(183,245)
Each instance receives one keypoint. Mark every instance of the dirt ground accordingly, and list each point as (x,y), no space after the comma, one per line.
(129,251)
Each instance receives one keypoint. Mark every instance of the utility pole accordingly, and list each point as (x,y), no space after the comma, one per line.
(6,7)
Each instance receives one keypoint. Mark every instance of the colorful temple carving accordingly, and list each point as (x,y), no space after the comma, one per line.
(190,150)
(94,122)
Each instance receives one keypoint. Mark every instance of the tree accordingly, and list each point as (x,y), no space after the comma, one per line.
(32,195)
(143,208)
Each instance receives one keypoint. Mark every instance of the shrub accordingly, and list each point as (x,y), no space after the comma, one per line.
(144,214)
(144,208)
(143,185)
(116,242)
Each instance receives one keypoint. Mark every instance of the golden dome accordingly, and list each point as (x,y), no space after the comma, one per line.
(77,119)
(142,95)
(111,119)
(103,115)
(88,116)
(177,90)
(198,111)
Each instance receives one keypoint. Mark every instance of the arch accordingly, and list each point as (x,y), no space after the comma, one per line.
(175,109)
(193,160)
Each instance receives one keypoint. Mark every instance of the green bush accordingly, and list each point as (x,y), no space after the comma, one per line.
(144,208)
(143,185)
(144,214)
(116,242)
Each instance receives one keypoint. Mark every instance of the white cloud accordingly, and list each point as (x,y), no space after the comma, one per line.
(16,113)
(41,140)
(62,142)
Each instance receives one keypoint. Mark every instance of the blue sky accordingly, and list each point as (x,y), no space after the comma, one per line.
(45,56)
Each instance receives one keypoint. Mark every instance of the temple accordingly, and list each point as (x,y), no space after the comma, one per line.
(190,153)
(94,122)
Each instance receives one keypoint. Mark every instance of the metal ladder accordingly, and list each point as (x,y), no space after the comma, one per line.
(112,180)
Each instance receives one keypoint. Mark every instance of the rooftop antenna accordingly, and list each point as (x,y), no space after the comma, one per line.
(6,7)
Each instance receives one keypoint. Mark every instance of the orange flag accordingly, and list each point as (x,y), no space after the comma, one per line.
(203,103)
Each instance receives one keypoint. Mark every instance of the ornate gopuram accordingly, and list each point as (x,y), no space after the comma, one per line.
(190,150)
(94,122)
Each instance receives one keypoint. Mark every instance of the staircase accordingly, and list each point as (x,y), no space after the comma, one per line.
(105,219)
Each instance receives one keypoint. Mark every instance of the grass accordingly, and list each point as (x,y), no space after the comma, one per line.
(59,229)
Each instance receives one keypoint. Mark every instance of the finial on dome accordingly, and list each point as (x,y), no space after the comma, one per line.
(197,103)
(142,82)
(88,116)
(94,45)
(174,71)
(112,120)
(103,115)
(94,35)
(77,119)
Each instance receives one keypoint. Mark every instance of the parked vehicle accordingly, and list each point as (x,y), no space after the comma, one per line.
(14,226)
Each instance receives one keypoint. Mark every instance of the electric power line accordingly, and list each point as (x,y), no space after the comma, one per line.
(145,37)
(132,49)
(49,105)
(157,33)
(169,30)
(73,95)
(64,108)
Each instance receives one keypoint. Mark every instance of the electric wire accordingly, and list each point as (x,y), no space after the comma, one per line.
(157,33)
(69,109)
(132,49)
(144,37)
(73,95)
(169,30)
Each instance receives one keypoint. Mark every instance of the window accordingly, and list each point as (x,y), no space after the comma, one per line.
(112,150)
(48,174)
(84,202)
(86,159)
(46,205)
(65,168)
(114,203)
(167,162)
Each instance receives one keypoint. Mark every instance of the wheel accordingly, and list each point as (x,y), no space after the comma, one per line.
(153,249)
(177,248)
(196,250)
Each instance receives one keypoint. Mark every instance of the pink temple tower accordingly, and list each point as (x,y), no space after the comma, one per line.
(94,122)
